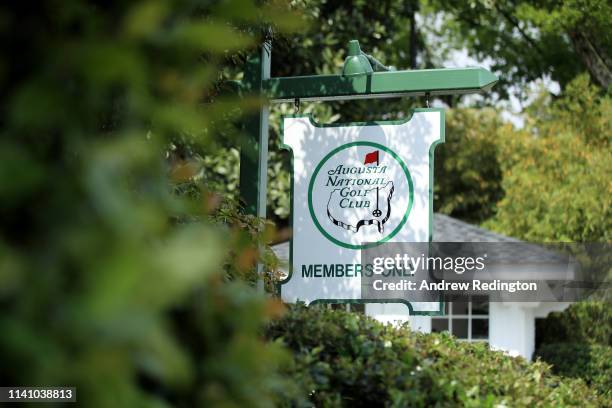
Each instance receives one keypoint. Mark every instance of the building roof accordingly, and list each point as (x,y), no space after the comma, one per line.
(448,229)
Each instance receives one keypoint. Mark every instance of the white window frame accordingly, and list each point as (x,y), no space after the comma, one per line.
(469,316)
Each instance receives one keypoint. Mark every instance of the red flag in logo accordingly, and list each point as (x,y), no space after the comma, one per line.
(371,158)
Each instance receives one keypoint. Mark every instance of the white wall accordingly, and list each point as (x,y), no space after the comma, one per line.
(511,329)
(512,325)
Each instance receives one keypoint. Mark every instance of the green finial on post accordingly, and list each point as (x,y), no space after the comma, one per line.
(356,63)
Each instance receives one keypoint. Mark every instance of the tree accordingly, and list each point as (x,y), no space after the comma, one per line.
(527,40)
(467,170)
(556,171)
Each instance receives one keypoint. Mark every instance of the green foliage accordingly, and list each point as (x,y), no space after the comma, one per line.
(344,359)
(527,40)
(591,362)
(467,169)
(382,29)
(221,171)
(578,343)
(111,263)
(556,170)
(587,322)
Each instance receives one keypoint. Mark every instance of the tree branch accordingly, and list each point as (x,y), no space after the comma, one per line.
(515,23)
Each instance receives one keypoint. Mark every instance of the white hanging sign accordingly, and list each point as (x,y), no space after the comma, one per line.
(356,186)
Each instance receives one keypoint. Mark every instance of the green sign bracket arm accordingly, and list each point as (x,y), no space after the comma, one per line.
(448,81)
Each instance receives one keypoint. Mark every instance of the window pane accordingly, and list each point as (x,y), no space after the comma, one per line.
(480,305)
(480,328)
(460,308)
(439,325)
(460,328)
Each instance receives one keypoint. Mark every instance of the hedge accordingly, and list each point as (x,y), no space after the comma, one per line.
(591,362)
(588,322)
(346,359)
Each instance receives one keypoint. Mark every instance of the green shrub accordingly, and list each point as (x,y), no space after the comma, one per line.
(109,281)
(583,322)
(591,362)
(344,359)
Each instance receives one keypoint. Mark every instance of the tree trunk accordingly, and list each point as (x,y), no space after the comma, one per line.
(596,60)
(413,8)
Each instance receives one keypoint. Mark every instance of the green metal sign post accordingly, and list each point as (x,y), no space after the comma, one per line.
(362,77)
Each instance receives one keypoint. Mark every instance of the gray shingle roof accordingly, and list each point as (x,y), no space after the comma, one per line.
(448,229)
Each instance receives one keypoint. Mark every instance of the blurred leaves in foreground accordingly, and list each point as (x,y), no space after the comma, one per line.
(112,274)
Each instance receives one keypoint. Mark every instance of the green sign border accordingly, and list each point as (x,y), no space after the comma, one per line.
(432,148)
(316,172)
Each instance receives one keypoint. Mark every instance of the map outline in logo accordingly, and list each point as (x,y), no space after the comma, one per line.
(399,226)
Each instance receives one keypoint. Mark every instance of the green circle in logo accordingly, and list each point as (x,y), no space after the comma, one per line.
(395,230)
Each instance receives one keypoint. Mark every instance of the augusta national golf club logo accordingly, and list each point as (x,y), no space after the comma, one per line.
(360,194)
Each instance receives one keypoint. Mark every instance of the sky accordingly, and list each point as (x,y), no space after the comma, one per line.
(511,108)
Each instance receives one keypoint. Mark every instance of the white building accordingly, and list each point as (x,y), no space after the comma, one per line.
(508,326)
